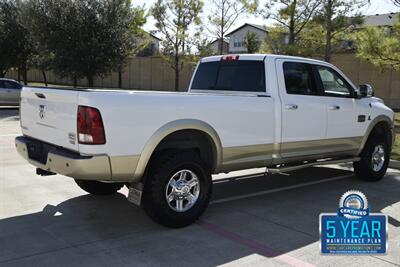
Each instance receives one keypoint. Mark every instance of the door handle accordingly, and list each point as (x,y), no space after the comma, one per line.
(291,106)
(334,107)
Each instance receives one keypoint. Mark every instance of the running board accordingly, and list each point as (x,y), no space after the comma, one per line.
(306,165)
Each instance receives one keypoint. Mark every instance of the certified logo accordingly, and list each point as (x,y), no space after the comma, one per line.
(353,229)
(353,205)
(42,113)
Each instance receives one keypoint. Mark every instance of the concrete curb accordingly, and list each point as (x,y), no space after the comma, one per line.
(394,164)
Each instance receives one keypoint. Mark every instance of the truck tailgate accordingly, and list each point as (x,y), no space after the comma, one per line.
(50,115)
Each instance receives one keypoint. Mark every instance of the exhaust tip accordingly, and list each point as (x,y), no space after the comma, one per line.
(42,172)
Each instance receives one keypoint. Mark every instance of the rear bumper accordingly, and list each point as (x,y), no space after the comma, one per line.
(65,162)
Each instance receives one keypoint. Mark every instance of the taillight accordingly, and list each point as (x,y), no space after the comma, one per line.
(90,126)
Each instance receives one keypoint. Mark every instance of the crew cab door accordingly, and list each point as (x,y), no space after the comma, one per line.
(304,111)
(346,122)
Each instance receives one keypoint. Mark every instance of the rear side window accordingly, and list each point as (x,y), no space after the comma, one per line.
(299,79)
(12,85)
(237,75)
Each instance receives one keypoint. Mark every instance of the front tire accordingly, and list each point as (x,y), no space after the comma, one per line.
(374,160)
(177,189)
(99,188)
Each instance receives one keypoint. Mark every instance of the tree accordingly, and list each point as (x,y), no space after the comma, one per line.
(293,15)
(7,48)
(309,43)
(252,43)
(380,47)
(224,14)
(173,20)
(41,60)
(202,45)
(204,48)
(16,47)
(338,16)
(86,38)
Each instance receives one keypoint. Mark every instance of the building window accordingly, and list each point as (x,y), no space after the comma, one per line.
(238,44)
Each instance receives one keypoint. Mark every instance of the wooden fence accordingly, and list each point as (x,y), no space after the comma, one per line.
(385,82)
(153,73)
(140,73)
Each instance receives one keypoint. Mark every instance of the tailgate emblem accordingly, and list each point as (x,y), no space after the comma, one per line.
(42,113)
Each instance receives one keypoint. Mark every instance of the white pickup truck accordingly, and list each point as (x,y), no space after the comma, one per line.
(240,112)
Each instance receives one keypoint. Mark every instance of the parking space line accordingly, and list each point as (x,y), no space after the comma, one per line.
(259,248)
(265,192)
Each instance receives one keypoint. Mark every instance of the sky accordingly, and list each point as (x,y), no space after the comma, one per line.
(376,7)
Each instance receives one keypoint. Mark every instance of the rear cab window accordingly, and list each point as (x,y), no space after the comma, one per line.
(230,75)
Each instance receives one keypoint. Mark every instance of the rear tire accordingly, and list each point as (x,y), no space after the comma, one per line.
(99,188)
(177,189)
(374,160)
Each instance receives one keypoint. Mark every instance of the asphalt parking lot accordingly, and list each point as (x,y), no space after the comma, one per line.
(254,220)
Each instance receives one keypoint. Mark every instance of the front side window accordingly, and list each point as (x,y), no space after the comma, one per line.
(236,75)
(299,79)
(333,84)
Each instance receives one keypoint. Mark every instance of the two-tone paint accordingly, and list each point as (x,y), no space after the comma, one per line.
(247,129)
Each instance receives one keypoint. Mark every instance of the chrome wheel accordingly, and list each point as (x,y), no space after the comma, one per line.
(182,190)
(378,158)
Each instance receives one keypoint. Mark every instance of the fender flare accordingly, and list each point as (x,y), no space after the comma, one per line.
(371,126)
(174,126)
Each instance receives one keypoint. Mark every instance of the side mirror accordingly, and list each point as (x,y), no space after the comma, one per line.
(366,90)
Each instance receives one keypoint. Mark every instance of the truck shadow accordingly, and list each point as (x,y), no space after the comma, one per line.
(278,217)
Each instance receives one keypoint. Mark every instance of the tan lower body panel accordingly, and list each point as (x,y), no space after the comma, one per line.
(317,147)
(254,156)
(124,167)
(244,157)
